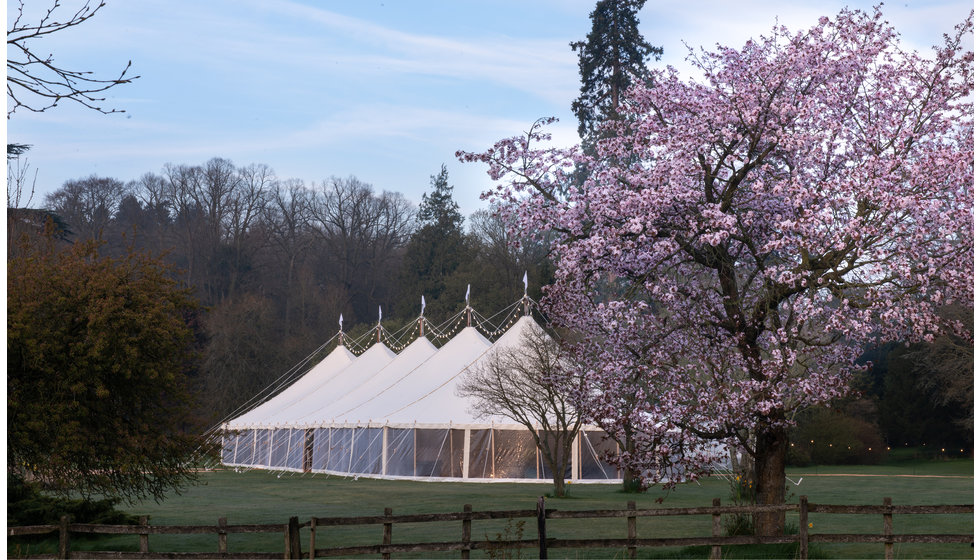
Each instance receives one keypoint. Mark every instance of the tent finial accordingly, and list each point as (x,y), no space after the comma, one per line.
(469,319)
(379,324)
(341,322)
(422,318)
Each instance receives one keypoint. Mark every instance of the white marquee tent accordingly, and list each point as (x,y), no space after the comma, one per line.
(397,415)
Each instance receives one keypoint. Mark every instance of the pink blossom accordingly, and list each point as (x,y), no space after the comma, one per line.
(740,237)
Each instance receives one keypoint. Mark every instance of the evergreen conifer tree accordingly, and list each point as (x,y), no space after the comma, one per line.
(434,254)
(612,58)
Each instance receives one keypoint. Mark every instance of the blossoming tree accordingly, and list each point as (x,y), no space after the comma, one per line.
(743,233)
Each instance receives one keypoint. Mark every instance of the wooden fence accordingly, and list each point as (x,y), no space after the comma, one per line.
(292,547)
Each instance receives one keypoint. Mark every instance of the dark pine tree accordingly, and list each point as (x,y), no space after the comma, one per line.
(434,254)
(612,58)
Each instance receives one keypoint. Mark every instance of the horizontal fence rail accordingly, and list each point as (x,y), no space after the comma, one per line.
(292,547)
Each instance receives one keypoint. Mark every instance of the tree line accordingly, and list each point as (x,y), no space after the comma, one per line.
(275,262)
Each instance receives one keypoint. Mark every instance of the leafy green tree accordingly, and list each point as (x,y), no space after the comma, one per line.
(98,350)
(613,56)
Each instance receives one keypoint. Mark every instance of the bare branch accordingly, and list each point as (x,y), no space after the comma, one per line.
(36,83)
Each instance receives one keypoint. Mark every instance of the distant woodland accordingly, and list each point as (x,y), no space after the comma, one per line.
(273,263)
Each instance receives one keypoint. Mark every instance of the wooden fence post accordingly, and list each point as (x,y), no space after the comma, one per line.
(804,528)
(888,529)
(222,535)
(464,552)
(293,549)
(542,534)
(144,537)
(386,536)
(631,529)
(64,541)
(716,529)
(312,538)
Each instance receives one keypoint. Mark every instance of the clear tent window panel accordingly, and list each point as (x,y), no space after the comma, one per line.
(229,441)
(263,448)
(294,455)
(596,447)
(400,452)
(368,445)
(481,454)
(550,441)
(246,446)
(339,458)
(439,452)
(514,454)
(321,449)
(280,447)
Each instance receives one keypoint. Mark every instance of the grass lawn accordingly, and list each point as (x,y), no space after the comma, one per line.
(264,497)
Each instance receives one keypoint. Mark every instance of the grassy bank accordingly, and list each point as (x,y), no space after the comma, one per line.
(263,497)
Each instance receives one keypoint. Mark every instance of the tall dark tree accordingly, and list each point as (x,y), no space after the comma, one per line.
(434,254)
(613,56)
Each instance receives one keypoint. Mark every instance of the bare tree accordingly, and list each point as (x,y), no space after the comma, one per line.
(286,220)
(18,178)
(35,82)
(515,383)
(88,205)
(362,234)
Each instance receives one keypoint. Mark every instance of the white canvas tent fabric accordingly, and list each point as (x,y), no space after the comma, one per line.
(398,416)
(318,375)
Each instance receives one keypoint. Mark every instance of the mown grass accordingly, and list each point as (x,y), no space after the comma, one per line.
(263,497)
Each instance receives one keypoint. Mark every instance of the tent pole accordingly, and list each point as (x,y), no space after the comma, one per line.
(577,456)
(466,453)
(384,450)
(493,454)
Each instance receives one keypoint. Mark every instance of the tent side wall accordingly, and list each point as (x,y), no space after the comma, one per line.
(466,452)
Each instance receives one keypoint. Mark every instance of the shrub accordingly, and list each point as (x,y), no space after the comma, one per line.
(829,436)
(26,505)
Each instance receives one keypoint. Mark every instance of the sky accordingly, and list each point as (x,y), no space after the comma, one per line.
(385,91)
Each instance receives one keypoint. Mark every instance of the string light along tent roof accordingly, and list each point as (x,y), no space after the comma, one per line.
(398,415)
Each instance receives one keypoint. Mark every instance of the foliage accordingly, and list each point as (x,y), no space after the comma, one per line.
(26,505)
(436,251)
(36,82)
(909,409)
(276,261)
(612,58)
(741,493)
(96,386)
(944,368)
(496,547)
(834,436)
(739,238)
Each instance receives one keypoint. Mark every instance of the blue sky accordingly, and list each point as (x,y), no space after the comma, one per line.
(382,90)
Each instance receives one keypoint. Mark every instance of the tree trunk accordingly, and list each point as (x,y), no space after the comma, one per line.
(559,481)
(632,478)
(632,481)
(770,472)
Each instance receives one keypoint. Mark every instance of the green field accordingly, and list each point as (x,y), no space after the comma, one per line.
(263,497)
